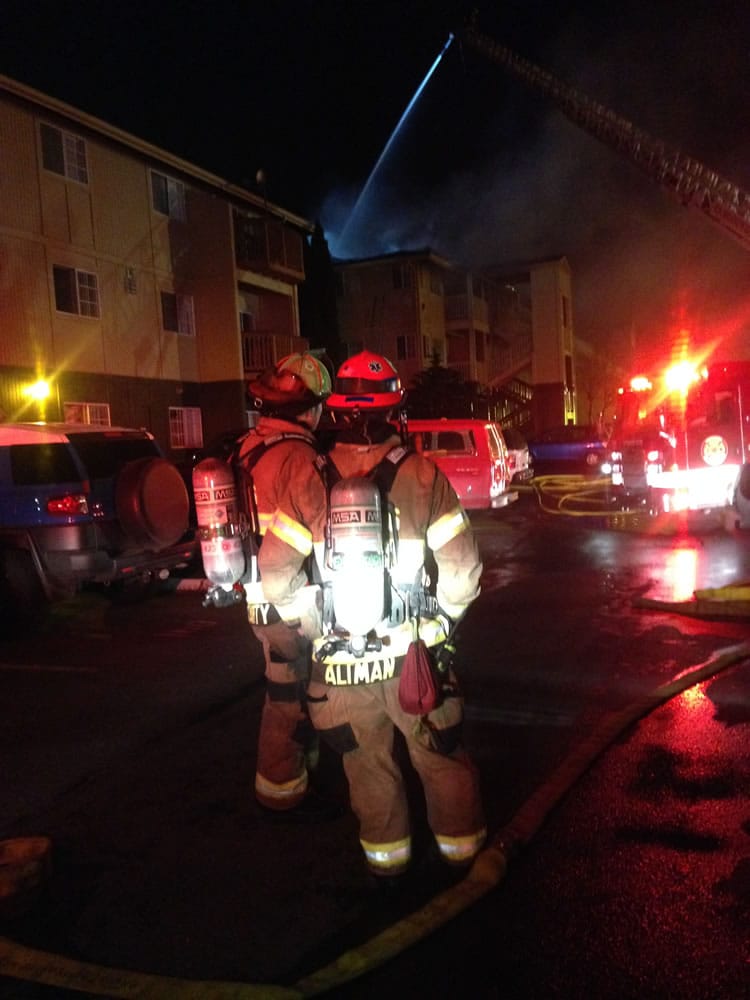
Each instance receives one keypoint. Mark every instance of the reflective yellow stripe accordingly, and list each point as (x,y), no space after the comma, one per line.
(293,789)
(387,856)
(446,528)
(291,532)
(264,522)
(461,849)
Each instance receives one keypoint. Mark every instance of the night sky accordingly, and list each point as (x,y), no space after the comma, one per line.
(481,169)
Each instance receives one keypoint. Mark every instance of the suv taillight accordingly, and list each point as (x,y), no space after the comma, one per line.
(71,503)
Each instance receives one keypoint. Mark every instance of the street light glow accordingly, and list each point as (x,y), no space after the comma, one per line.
(39,390)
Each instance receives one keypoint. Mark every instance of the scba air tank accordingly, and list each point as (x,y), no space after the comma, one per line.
(355,555)
(217,512)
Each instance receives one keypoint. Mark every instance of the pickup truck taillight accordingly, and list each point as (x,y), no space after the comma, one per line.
(71,503)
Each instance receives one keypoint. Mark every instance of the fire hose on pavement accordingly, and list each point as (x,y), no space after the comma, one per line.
(490,867)
(574,496)
(487,872)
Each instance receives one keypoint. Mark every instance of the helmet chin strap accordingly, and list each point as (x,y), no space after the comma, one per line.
(311,417)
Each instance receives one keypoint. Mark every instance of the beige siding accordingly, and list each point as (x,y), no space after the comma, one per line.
(54,205)
(130,330)
(432,311)
(80,215)
(108,227)
(24,304)
(207,272)
(122,213)
(19,186)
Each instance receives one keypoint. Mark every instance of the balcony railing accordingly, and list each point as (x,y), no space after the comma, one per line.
(511,360)
(463,307)
(268,246)
(262,350)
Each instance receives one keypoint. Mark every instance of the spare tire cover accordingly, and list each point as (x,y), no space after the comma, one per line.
(152,502)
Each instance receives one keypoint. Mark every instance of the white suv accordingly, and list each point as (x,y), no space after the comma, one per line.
(519,457)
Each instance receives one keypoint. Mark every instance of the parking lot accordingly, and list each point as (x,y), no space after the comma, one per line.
(132,748)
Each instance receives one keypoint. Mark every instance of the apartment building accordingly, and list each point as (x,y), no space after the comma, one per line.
(543,291)
(135,288)
(510,330)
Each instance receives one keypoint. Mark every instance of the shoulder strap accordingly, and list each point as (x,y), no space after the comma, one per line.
(243,466)
(385,471)
(382,474)
(251,457)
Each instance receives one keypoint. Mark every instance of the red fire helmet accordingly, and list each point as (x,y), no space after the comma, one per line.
(367,381)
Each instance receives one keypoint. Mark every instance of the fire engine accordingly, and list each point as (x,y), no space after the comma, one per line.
(682,437)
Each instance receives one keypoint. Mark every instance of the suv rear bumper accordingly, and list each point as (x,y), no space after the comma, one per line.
(97,567)
(64,558)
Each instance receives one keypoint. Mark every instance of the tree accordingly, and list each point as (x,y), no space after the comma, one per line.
(441,392)
(317,298)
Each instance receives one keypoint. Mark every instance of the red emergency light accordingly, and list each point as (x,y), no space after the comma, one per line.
(680,376)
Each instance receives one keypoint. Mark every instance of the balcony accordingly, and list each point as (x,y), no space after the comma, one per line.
(261,350)
(512,360)
(462,308)
(267,246)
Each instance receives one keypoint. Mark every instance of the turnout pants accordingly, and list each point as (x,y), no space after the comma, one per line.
(359,721)
(287,739)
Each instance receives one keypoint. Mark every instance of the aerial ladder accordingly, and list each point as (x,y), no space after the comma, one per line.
(690,182)
(710,466)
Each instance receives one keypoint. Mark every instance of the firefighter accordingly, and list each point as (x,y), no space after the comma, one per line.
(282,607)
(353,697)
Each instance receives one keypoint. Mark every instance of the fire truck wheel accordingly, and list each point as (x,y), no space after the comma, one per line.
(152,502)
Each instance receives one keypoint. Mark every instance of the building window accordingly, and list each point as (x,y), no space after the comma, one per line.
(76,291)
(64,153)
(168,196)
(352,347)
(177,313)
(185,427)
(405,348)
(87,413)
(129,281)
(247,328)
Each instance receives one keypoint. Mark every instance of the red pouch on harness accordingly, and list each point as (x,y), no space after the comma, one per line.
(418,686)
